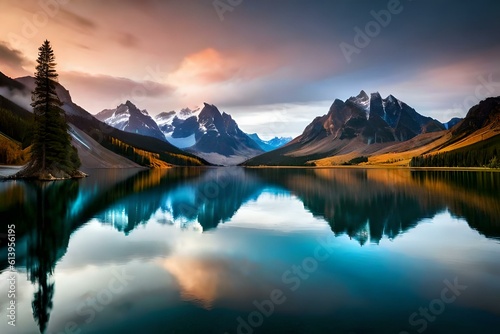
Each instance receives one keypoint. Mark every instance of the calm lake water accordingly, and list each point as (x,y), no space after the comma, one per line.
(232,250)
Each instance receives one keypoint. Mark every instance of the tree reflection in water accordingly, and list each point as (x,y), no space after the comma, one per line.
(367,205)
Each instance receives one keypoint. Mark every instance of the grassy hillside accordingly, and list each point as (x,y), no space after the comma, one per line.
(15,122)
(11,151)
(15,134)
(474,142)
(485,153)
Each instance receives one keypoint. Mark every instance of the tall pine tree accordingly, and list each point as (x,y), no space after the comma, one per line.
(52,155)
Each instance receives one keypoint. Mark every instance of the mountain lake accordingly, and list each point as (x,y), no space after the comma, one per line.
(265,250)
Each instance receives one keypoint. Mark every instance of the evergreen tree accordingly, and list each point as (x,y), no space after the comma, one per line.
(51,152)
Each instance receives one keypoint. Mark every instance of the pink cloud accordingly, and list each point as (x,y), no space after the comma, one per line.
(211,66)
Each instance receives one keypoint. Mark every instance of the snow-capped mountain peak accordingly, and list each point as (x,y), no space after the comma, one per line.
(180,128)
(351,127)
(128,117)
(362,101)
(208,133)
(385,108)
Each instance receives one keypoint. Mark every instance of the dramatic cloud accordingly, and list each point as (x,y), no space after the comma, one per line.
(211,66)
(13,60)
(205,67)
(10,56)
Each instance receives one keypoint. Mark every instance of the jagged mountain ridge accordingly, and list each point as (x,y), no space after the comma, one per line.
(377,119)
(206,132)
(220,140)
(359,121)
(129,118)
(387,116)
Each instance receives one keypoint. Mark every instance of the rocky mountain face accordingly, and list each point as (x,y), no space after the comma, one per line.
(180,128)
(359,121)
(205,132)
(220,140)
(485,114)
(127,117)
(208,133)
(372,119)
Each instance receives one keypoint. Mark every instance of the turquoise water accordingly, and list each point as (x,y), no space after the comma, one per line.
(233,250)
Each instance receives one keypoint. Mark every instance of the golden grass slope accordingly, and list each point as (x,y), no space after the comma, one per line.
(400,154)
(11,152)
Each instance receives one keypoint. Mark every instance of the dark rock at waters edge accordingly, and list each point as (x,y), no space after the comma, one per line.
(46,175)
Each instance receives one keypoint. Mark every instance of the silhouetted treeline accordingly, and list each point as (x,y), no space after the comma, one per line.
(16,127)
(471,158)
(18,137)
(145,158)
(356,161)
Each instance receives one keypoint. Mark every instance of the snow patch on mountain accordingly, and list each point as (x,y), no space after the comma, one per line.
(362,101)
(182,142)
(127,117)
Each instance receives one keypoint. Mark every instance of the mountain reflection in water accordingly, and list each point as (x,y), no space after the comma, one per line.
(366,205)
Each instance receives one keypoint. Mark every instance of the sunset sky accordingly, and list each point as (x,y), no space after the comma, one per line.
(273,65)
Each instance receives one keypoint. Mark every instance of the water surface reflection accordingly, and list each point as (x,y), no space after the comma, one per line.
(207,243)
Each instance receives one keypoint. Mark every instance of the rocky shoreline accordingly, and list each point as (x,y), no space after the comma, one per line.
(17,173)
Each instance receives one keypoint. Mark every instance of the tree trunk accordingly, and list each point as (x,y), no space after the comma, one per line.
(43,156)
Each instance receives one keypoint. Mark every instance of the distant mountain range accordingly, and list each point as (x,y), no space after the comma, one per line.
(359,121)
(271,144)
(367,128)
(208,133)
